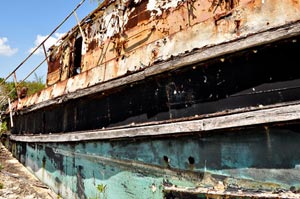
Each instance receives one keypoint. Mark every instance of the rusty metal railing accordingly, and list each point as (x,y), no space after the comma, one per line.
(3,99)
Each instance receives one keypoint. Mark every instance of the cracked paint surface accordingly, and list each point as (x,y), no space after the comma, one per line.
(124,37)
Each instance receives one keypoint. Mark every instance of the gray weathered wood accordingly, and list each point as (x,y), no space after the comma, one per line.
(284,113)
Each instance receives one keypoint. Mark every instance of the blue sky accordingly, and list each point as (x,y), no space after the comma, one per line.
(23,24)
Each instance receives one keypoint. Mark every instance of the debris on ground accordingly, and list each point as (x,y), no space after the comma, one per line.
(16,182)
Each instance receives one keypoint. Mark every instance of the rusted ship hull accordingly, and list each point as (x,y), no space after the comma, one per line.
(260,162)
(237,138)
(176,99)
(250,78)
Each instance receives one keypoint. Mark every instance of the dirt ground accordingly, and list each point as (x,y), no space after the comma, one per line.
(16,182)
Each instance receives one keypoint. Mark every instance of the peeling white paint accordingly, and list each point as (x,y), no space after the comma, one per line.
(145,47)
(158,6)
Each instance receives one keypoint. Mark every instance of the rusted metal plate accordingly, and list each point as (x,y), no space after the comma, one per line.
(128,36)
(220,85)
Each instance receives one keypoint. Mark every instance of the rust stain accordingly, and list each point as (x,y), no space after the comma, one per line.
(138,15)
(223,5)
(93,45)
(237,27)
(191,10)
(53,62)
(126,36)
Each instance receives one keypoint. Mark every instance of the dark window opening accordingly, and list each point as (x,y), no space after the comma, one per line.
(77,56)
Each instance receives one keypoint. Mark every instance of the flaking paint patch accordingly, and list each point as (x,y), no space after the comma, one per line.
(157,7)
(89,162)
(80,183)
(243,21)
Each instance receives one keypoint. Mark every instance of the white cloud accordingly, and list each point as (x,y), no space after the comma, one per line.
(6,50)
(50,42)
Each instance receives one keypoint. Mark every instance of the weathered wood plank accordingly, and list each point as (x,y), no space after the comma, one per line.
(284,113)
(196,56)
(215,193)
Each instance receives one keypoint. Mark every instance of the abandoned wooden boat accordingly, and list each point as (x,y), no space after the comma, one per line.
(169,99)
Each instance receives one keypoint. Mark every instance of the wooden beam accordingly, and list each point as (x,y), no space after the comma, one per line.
(10,113)
(285,113)
(215,193)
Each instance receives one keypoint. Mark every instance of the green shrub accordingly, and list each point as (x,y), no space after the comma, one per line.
(3,127)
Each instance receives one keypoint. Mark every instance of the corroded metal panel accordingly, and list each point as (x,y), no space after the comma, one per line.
(132,38)
(123,37)
(243,164)
(219,86)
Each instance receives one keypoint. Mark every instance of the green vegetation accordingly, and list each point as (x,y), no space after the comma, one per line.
(23,88)
(101,188)
(3,128)
(32,86)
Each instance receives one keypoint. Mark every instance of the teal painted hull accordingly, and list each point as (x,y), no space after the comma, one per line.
(257,159)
